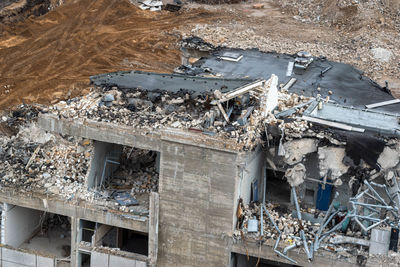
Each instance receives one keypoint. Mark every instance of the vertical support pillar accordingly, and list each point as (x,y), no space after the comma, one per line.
(74,240)
(153,228)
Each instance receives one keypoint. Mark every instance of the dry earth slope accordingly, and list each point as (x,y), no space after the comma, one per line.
(51,57)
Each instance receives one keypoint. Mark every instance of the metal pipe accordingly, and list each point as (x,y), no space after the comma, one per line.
(262,206)
(279,236)
(375,193)
(271,219)
(296,203)
(303,236)
(376,206)
(359,195)
(328,212)
(370,227)
(349,215)
(290,247)
(284,256)
(367,218)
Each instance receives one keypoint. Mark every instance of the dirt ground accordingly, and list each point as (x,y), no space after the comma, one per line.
(273,28)
(49,58)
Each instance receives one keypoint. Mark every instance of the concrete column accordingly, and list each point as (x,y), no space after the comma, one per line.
(153,228)
(74,241)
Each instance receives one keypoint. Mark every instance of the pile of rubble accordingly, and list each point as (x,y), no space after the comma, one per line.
(33,160)
(137,172)
(289,226)
(349,230)
(239,117)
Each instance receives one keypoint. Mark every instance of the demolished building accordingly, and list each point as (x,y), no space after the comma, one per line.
(242,158)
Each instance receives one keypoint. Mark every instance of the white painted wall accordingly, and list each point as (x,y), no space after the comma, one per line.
(19,224)
(14,258)
(98,259)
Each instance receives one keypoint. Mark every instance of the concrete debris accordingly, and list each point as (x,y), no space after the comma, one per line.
(57,166)
(295,175)
(331,158)
(241,120)
(298,148)
(152,5)
(290,227)
(355,223)
(389,158)
(382,54)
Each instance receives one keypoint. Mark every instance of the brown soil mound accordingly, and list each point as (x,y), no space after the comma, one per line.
(51,57)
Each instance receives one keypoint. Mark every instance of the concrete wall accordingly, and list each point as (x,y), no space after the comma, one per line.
(98,259)
(19,224)
(197,190)
(14,258)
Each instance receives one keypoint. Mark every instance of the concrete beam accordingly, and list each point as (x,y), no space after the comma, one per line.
(80,210)
(134,137)
(105,132)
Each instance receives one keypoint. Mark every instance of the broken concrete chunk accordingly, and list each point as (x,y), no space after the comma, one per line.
(297,149)
(389,158)
(382,54)
(108,98)
(295,176)
(331,158)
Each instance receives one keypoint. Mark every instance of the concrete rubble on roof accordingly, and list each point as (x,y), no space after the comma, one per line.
(42,163)
(153,110)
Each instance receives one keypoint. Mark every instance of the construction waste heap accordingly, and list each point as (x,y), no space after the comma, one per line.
(315,179)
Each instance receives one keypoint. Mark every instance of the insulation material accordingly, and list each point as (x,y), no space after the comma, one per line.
(297,149)
(331,158)
(295,176)
(389,158)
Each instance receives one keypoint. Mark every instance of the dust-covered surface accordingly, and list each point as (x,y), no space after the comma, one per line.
(33,161)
